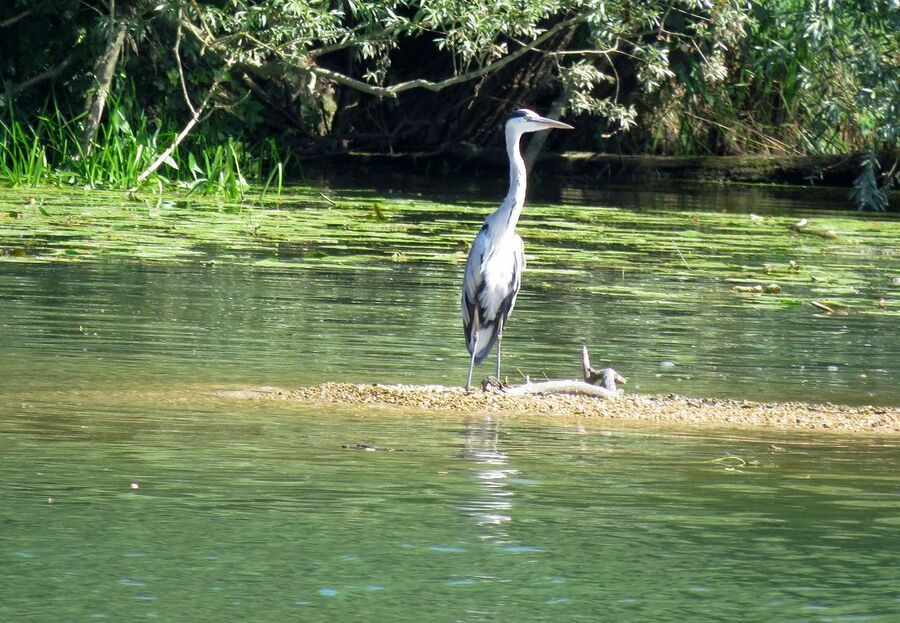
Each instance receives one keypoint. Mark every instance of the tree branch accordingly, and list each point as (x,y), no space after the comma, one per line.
(50,74)
(184,91)
(393,90)
(257,90)
(15,18)
(181,135)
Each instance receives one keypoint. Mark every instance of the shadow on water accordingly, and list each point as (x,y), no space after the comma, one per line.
(639,195)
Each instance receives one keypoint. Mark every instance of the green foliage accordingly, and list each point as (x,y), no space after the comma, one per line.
(48,151)
(807,78)
(677,77)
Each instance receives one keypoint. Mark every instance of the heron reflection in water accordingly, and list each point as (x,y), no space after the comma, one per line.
(497,257)
(492,472)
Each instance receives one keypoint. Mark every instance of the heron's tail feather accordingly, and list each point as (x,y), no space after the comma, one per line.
(483,339)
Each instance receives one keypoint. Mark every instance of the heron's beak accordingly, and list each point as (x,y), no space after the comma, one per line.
(553,123)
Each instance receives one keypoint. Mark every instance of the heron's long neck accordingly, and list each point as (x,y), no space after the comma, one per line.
(511,208)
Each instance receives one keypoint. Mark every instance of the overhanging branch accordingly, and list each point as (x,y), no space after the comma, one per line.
(195,117)
(50,74)
(392,91)
(20,16)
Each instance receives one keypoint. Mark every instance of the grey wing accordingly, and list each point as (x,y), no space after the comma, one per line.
(487,296)
(472,282)
(519,269)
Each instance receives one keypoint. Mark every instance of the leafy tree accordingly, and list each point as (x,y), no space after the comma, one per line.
(667,76)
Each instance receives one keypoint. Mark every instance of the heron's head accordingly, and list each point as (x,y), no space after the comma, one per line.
(524,120)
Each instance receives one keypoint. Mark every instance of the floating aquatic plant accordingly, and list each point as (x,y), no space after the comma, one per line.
(653,257)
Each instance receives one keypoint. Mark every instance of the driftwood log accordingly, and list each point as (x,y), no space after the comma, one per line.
(600,383)
(802,227)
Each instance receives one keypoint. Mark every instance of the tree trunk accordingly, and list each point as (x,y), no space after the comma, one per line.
(104,70)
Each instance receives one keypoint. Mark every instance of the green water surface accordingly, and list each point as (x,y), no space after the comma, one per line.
(256,513)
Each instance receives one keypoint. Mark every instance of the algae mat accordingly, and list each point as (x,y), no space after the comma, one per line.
(847,261)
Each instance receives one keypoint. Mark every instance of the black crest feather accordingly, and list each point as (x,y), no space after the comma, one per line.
(522,112)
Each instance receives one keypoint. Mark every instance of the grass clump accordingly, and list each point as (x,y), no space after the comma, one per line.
(47,150)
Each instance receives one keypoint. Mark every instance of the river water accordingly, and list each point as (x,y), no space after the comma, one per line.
(129,490)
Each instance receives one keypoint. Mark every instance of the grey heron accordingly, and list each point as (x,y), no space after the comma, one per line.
(497,257)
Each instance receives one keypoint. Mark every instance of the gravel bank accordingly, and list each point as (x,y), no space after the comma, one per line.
(632,407)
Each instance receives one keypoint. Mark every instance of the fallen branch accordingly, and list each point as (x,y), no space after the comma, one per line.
(772,288)
(827,309)
(668,410)
(563,387)
(801,227)
(606,377)
(102,77)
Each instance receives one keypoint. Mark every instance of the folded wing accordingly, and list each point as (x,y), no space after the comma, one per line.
(492,279)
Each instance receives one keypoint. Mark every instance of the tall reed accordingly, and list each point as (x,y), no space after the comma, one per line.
(47,150)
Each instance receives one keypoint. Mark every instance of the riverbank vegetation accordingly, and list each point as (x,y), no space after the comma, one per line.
(214,96)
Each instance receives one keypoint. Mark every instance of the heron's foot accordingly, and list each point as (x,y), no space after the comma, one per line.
(493,384)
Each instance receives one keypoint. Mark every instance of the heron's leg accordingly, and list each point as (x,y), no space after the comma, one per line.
(499,342)
(471,365)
